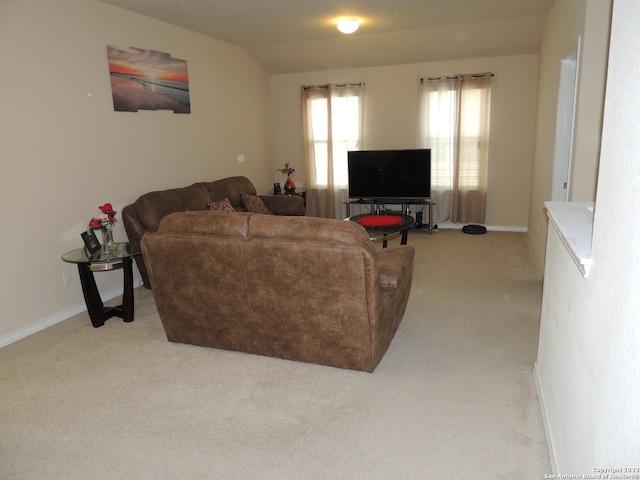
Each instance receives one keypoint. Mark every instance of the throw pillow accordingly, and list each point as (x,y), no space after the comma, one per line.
(222,205)
(255,204)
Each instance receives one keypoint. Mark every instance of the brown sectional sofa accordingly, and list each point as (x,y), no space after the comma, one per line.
(300,288)
(145,213)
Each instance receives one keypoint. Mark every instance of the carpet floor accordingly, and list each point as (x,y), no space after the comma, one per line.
(454,396)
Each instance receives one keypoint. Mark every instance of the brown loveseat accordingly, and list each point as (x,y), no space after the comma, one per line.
(300,288)
(145,213)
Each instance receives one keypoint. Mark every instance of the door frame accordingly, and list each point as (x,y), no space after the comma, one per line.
(565,123)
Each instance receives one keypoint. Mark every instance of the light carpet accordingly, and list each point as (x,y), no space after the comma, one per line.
(454,396)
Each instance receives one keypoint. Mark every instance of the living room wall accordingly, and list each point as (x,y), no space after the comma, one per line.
(587,367)
(568,20)
(391,120)
(65,151)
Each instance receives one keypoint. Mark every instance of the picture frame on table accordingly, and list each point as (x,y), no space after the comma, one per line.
(276,189)
(91,243)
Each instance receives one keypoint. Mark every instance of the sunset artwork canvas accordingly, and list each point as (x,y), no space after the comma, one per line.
(148,80)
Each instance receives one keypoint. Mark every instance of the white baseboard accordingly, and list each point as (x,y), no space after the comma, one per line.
(545,421)
(55,318)
(507,228)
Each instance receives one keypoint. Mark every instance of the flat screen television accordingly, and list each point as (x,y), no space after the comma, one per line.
(379,174)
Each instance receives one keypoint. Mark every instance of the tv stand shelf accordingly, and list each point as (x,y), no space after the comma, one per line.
(405,202)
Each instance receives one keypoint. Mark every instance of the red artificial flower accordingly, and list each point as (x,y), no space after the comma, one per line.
(108,209)
(105,219)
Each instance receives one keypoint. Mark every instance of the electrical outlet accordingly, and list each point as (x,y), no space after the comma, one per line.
(67,279)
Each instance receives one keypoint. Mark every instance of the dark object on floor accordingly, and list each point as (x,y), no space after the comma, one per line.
(474,229)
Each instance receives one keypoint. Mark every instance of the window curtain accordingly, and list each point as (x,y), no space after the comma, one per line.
(454,123)
(332,125)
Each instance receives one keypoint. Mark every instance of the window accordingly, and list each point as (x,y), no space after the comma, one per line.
(332,125)
(454,124)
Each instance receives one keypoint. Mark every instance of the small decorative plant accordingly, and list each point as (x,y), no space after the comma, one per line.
(105,219)
(287,170)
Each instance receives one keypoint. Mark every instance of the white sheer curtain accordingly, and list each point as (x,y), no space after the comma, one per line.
(454,123)
(332,125)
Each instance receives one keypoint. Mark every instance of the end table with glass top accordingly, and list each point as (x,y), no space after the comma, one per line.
(101,261)
(385,231)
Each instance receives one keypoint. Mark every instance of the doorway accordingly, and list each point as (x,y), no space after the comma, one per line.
(565,125)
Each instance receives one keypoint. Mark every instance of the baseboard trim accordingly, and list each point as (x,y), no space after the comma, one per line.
(55,318)
(545,420)
(507,228)
(41,325)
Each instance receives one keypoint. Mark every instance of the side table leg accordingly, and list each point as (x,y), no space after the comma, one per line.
(127,295)
(430,218)
(95,307)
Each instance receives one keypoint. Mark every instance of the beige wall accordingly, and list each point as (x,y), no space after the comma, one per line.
(391,119)
(589,351)
(568,20)
(64,151)
(590,101)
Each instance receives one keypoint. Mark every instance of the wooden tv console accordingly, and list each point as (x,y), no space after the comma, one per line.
(404,202)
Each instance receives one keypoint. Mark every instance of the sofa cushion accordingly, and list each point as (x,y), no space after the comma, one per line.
(222,205)
(231,188)
(206,222)
(153,206)
(310,229)
(255,204)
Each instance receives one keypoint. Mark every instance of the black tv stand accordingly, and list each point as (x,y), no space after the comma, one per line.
(404,202)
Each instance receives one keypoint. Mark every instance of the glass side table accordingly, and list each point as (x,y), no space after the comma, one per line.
(101,261)
(385,233)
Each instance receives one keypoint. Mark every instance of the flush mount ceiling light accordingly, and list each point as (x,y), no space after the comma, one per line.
(348,25)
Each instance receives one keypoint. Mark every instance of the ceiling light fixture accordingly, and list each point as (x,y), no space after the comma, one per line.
(348,25)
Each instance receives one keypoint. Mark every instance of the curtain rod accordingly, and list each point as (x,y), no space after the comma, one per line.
(309,87)
(453,77)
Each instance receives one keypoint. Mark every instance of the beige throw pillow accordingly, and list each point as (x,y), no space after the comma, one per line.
(222,205)
(255,204)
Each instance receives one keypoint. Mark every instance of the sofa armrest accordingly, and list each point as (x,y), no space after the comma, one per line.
(135,230)
(284,204)
(132,224)
(395,266)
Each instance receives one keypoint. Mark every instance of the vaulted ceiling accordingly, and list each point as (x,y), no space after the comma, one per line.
(287,36)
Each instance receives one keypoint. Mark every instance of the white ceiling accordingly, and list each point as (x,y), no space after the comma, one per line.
(287,36)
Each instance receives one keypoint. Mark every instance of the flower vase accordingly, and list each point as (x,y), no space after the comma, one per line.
(108,245)
(289,186)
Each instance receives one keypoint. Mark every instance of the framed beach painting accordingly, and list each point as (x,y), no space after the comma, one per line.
(147,80)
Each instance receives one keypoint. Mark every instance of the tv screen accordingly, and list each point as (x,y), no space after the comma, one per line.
(375,174)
